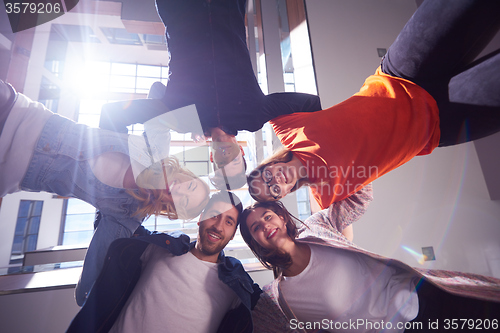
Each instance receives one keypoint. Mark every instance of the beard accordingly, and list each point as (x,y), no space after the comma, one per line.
(206,246)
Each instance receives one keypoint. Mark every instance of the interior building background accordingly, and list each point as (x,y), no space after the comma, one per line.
(445,205)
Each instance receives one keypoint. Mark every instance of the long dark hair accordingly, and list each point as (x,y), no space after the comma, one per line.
(276,260)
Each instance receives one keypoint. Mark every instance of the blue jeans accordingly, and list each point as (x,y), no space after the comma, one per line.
(436,305)
(60,165)
(435,50)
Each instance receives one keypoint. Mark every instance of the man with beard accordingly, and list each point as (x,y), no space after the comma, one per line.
(162,282)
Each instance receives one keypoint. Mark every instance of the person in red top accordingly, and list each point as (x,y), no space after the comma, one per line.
(426,93)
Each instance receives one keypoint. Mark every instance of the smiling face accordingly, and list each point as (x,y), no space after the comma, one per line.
(234,167)
(167,189)
(189,194)
(217,227)
(228,156)
(223,153)
(274,182)
(268,229)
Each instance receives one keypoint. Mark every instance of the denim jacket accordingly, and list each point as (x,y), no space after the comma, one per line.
(122,270)
(60,165)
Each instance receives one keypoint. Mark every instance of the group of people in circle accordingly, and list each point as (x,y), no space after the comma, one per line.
(430,91)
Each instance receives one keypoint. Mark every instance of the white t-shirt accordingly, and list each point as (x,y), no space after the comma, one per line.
(176,294)
(346,287)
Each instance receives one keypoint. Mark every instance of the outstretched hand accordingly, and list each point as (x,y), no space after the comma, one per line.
(198,138)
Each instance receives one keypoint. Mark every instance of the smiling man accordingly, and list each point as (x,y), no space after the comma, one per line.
(227,159)
(163,283)
(216,227)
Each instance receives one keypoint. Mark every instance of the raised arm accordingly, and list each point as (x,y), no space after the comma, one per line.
(340,215)
(345,212)
(279,104)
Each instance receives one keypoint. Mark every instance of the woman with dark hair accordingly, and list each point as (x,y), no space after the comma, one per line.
(324,281)
(426,93)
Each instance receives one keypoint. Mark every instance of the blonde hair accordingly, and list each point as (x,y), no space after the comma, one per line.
(156,201)
(283,155)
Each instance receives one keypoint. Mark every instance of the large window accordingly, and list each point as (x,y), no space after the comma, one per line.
(104,82)
(49,94)
(121,36)
(303,205)
(78,224)
(27,226)
(298,69)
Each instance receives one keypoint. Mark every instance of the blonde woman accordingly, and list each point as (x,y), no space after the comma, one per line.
(42,151)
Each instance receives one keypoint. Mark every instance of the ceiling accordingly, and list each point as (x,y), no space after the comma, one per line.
(143,10)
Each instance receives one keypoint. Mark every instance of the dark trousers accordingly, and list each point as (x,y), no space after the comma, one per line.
(440,311)
(210,67)
(435,50)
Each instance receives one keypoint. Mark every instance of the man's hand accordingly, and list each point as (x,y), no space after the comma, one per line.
(198,138)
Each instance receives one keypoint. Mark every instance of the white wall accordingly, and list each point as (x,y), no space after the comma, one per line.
(43,311)
(440,200)
(345,36)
